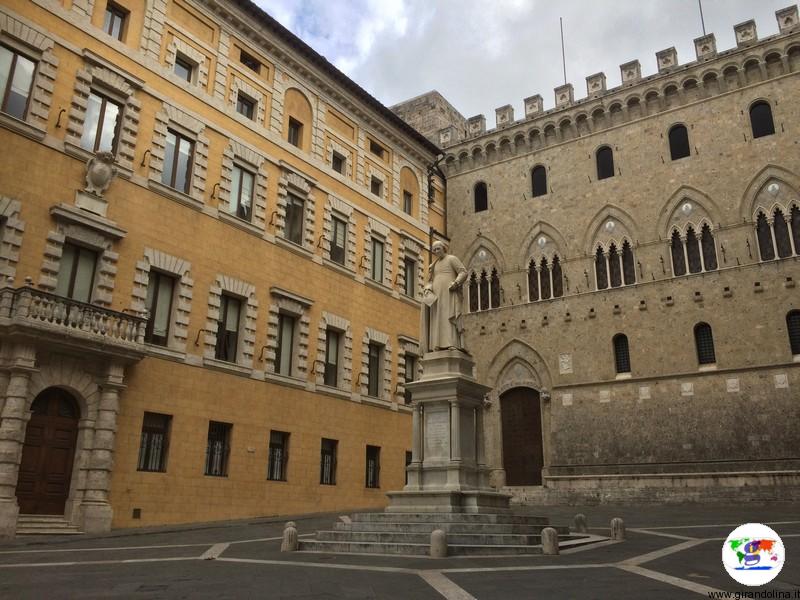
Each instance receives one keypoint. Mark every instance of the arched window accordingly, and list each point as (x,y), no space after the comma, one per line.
(781,231)
(693,251)
(678,142)
(793,328)
(544,274)
(704,342)
(605,163)
(533,282)
(764,235)
(622,356)
(600,269)
(481,197)
(473,293)
(558,285)
(494,289)
(614,267)
(678,255)
(628,269)
(709,249)
(761,119)
(539,181)
(483,291)
(795,220)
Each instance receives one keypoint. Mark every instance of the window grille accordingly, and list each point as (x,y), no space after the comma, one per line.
(218,449)
(154,442)
(704,341)
(622,357)
(278,459)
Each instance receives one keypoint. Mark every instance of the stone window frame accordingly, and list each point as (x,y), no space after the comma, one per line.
(176,46)
(406,345)
(171,117)
(411,249)
(476,267)
(298,307)
(345,371)
(116,87)
(373,335)
(105,269)
(375,172)
(238,84)
(605,245)
(682,228)
(246,292)
(422,194)
(548,254)
(769,214)
(38,46)
(296,185)
(11,230)
(236,153)
(180,269)
(338,208)
(381,231)
(347,153)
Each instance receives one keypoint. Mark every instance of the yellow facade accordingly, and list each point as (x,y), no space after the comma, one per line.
(43,166)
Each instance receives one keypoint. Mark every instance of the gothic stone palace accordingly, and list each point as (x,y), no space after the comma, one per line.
(633,262)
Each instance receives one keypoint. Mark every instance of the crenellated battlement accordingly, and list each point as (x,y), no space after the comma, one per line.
(710,69)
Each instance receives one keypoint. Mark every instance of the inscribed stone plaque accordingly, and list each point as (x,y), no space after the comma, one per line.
(605,396)
(687,389)
(732,385)
(781,381)
(566,399)
(565,364)
(644,393)
(437,434)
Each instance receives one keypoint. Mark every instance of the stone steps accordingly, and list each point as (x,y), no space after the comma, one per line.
(45,525)
(469,539)
(502,518)
(414,549)
(450,528)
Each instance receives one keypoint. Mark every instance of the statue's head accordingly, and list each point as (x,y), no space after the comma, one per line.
(106,157)
(439,248)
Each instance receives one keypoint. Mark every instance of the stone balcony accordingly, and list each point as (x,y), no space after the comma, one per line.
(32,315)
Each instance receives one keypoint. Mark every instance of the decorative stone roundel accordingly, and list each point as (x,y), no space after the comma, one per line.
(687,208)
(610,226)
(773,188)
(542,242)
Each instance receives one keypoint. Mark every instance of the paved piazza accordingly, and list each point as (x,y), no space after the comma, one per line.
(670,552)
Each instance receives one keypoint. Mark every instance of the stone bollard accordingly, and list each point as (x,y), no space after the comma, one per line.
(579,524)
(438,544)
(549,541)
(289,543)
(617,529)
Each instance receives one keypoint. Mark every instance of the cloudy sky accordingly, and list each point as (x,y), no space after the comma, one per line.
(484,54)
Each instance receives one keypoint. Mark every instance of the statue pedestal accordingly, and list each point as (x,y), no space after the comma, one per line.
(447,471)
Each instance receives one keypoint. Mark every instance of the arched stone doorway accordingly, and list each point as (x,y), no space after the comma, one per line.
(521,418)
(45,471)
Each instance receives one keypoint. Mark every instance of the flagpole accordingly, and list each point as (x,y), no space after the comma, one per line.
(563,58)
(702,21)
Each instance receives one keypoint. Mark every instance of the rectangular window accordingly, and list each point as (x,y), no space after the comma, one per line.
(339,240)
(230,309)
(245,106)
(114,22)
(184,68)
(376,186)
(278,456)
(376,149)
(76,273)
(283,358)
(154,443)
(250,62)
(411,374)
(332,340)
(373,479)
(410,272)
(409,456)
(295,209)
(218,448)
(338,163)
(101,125)
(295,136)
(16,81)
(408,202)
(377,260)
(327,462)
(178,155)
(242,184)
(374,368)
(160,291)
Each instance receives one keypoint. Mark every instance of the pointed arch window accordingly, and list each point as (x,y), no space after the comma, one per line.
(601,269)
(679,142)
(622,356)
(780,229)
(693,251)
(795,221)
(704,343)
(678,254)
(494,289)
(545,279)
(793,329)
(693,254)
(709,248)
(483,291)
(481,197)
(538,181)
(605,163)
(533,282)
(764,235)
(544,273)
(558,284)
(628,268)
(780,236)
(614,267)
(761,121)
(473,293)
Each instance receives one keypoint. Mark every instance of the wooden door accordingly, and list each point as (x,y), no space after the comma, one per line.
(45,471)
(523,455)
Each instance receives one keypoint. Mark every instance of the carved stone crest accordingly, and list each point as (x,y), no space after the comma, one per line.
(100,170)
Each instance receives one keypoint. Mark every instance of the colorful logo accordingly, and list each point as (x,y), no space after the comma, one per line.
(753,554)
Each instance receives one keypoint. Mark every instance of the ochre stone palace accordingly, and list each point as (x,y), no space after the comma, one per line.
(224,328)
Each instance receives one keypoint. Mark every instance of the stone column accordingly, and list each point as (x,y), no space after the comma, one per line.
(13,421)
(455,431)
(96,509)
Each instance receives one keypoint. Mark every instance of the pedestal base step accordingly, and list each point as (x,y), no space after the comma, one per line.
(45,525)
